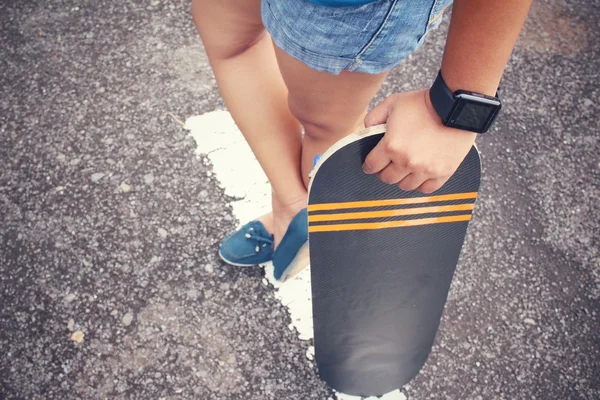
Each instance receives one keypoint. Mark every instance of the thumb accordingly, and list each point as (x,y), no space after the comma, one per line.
(379,114)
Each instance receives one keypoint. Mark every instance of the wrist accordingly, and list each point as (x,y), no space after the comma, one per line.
(430,108)
(463,109)
(438,121)
(484,83)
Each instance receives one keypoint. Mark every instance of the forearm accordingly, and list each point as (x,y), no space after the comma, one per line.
(480,40)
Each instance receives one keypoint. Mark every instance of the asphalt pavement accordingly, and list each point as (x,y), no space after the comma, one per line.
(110,285)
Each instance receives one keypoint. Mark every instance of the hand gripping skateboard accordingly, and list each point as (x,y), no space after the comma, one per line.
(382,260)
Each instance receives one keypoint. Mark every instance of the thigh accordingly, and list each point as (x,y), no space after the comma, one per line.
(227,27)
(325,103)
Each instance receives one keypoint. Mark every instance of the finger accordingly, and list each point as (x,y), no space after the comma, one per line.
(392,174)
(431,185)
(379,114)
(377,159)
(411,182)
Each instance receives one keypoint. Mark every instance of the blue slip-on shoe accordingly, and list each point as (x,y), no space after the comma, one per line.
(291,255)
(250,245)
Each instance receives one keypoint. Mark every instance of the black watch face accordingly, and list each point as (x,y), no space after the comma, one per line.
(473,113)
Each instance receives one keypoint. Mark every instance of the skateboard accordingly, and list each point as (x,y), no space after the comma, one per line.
(382,260)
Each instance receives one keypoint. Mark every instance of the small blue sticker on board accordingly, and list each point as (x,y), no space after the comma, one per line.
(316,159)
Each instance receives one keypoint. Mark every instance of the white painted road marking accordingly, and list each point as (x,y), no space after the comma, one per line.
(236,169)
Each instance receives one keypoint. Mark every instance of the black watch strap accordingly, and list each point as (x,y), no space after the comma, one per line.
(442,98)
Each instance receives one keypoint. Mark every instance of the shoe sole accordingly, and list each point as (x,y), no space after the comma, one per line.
(235,264)
(300,261)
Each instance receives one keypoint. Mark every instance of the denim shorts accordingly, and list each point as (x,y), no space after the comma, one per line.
(371,38)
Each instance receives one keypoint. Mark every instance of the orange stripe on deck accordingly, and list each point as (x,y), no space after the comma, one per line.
(388,224)
(389,213)
(390,202)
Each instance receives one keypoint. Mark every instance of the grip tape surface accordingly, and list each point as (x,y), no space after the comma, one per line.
(382,261)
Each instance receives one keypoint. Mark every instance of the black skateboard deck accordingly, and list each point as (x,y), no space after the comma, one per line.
(382,260)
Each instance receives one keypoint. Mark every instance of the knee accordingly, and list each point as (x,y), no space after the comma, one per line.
(229,49)
(321,124)
(314,127)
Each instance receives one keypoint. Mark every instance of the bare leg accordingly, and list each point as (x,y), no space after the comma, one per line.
(249,74)
(329,107)
(243,60)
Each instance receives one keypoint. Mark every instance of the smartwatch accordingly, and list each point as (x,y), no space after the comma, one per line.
(463,109)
